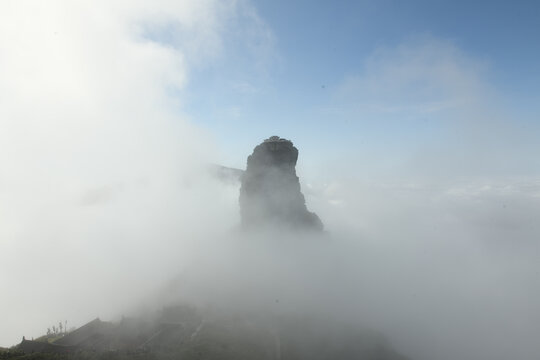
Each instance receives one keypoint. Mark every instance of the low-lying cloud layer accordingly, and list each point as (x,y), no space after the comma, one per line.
(450,269)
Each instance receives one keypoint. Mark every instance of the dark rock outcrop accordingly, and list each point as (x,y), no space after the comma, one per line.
(31,346)
(270,194)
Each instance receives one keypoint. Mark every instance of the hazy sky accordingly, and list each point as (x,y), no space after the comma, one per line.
(417,125)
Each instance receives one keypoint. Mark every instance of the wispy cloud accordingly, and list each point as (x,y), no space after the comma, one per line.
(421,75)
(436,105)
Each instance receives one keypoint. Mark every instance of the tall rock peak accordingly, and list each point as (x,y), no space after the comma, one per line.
(270,194)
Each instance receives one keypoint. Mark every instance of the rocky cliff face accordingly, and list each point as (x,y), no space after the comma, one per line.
(270,194)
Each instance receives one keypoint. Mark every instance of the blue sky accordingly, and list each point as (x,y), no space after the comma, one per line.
(290,80)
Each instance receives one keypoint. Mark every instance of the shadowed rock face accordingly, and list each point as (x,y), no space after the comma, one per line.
(270,194)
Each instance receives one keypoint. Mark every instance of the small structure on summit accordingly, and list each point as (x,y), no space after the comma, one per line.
(270,194)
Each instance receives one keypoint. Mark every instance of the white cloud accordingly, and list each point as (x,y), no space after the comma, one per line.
(422,75)
(100,192)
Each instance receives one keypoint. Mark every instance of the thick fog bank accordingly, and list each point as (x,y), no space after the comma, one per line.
(448,268)
(443,270)
(100,186)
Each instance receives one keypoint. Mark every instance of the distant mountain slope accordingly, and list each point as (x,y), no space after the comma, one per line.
(184,332)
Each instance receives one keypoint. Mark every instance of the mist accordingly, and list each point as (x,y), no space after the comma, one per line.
(107,207)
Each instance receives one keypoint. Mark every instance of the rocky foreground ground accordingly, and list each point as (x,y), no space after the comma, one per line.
(183,332)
